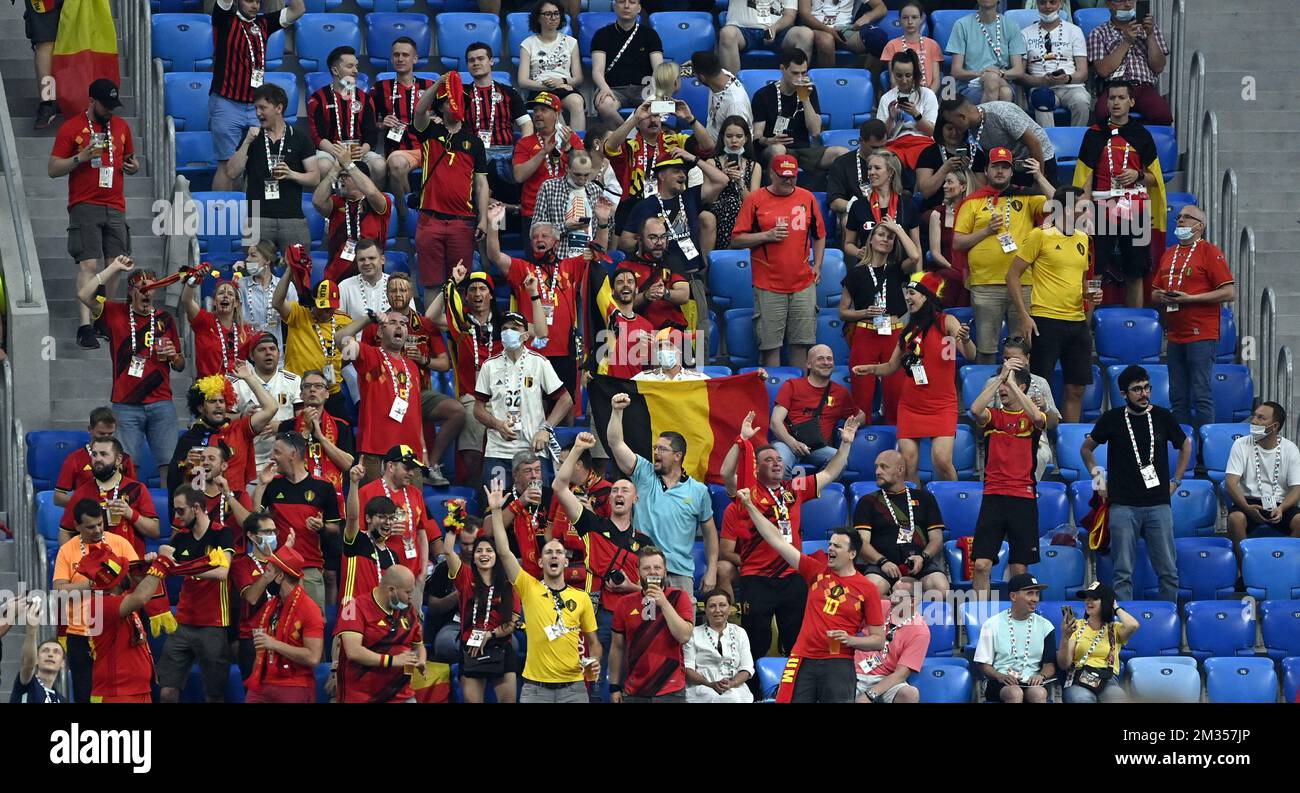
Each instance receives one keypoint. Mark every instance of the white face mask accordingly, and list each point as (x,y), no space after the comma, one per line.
(668,358)
(268,543)
(1126,16)
(1183,233)
(1258,431)
(1048,19)
(511,339)
(253,268)
(736,150)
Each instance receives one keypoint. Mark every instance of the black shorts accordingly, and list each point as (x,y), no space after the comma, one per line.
(1282,527)
(1120,257)
(822,680)
(331,550)
(993,690)
(41,28)
(1066,341)
(875,569)
(97,232)
(1010,518)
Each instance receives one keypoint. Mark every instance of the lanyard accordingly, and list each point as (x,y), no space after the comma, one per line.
(558,597)
(904,535)
(992,205)
(327,348)
(117,488)
(547,294)
(1029,639)
(149,337)
(381,289)
(920,56)
(488,346)
(869,665)
(221,510)
(398,392)
(1274,486)
(779,508)
(1045,39)
(267,293)
(406,502)
(314,450)
(487,615)
(1110,654)
(715,100)
(108,135)
(878,286)
(493,99)
(249,29)
(1174,268)
(730,659)
(974,140)
(279,149)
(997,48)
(635,29)
(236,341)
(352,117)
(351,220)
(647,162)
(668,219)
(410,100)
(1151,441)
(863,187)
(1116,167)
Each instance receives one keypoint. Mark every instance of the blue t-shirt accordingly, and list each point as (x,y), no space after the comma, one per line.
(968,40)
(684,214)
(670,517)
(33,692)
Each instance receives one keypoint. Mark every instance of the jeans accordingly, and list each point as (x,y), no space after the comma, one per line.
(573,693)
(1156,525)
(153,423)
(1078,695)
(817,458)
(1190,368)
(604,632)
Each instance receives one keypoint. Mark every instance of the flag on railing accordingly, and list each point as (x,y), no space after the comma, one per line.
(84,51)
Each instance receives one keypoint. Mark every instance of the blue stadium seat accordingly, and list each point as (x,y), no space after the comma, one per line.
(943,627)
(435,500)
(1159,374)
(175,6)
(1160,634)
(847,138)
(1220,628)
(963,455)
(828,511)
(701,562)
(867,445)
(221,220)
(382,28)
(972,378)
(754,79)
(1234,392)
(720,501)
(318,80)
(846,96)
(731,283)
(996,576)
(1270,566)
(1227,352)
(162,505)
(315,224)
(183,42)
(1290,679)
(1090,18)
(841,375)
(810,547)
(146,468)
(1216,444)
(1066,141)
(196,160)
(1127,335)
(776,377)
(830,331)
(1053,506)
(1280,623)
(396,261)
(833,271)
(943,683)
(695,95)
(769,670)
(942,23)
(716,371)
(456,31)
(46,451)
(1080,495)
(974,613)
(1062,569)
(1166,150)
(1164,680)
(318,34)
(683,33)
(322,677)
(1195,508)
(1240,680)
(185,99)
(959,503)
(1145,582)
(742,344)
(48,516)
(1207,568)
(1093,394)
(289,82)
(588,23)
(384,6)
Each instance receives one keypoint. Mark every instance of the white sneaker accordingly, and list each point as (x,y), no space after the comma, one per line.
(435,477)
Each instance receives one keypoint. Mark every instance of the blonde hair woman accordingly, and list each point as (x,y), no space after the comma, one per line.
(883,199)
(219,334)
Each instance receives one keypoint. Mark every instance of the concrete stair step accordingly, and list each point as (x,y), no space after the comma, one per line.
(138,206)
(1258,140)
(144,247)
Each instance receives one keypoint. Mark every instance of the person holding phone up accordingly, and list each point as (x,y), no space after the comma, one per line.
(1089,651)
(1130,46)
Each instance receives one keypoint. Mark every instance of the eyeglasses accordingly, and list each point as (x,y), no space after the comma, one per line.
(1192,218)
(656,237)
(315,385)
(551,13)
(1140,389)
(662,448)
(179,510)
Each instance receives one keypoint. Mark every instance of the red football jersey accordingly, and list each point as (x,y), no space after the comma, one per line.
(124,326)
(472,618)
(848,603)
(415,519)
(204,602)
(245,570)
(423,334)
(381,631)
(353,220)
(553,165)
(83,182)
(305,621)
(130,491)
(76,471)
(120,646)
(778,504)
(291,504)
(660,313)
(630,345)
(557,286)
(383,379)
(1012,456)
(654,657)
(362,565)
(800,398)
(216,347)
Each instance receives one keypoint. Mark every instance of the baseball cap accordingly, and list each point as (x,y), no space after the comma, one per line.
(401,453)
(104,91)
(785,165)
(674,162)
(327,295)
(288,560)
(546,99)
(514,317)
(1097,590)
(1023,582)
(1000,154)
(1042,99)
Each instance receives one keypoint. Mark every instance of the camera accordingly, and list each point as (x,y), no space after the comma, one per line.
(615,578)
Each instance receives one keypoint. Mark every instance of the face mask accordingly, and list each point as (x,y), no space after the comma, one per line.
(347,84)
(1048,19)
(667,358)
(268,543)
(1126,16)
(736,150)
(398,604)
(1258,432)
(512,339)
(253,268)
(1183,233)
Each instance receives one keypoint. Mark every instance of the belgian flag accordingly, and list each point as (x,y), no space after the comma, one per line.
(85,50)
(708,413)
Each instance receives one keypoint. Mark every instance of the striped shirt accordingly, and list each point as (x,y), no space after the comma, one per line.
(239,47)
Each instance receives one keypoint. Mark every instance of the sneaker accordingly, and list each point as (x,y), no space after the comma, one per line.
(45,113)
(86,337)
(436,477)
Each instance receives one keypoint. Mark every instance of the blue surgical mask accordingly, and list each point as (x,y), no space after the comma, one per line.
(667,358)
(399,604)
(511,339)
(1183,233)
(1048,19)
(1126,16)
(1258,431)
(268,543)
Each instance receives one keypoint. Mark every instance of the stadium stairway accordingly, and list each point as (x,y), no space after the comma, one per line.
(1257,139)
(73,368)
(13,641)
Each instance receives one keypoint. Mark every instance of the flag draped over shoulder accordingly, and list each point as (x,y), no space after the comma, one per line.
(85,50)
(708,413)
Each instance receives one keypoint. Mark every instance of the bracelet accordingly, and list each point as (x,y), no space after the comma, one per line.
(616,688)
(536,298)
(385,661)
(603,225)
(99,277)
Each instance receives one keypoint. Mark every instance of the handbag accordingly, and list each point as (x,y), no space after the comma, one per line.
(809,431)
(1094,678)
(490,661)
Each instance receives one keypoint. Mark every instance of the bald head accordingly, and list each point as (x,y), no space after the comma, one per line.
(397,584)
(891,471)
(1193,218)
(821,361)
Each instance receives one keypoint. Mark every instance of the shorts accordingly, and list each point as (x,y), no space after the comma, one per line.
(991,303)
(501,163)
(754,38)
(414,156)
(1281,528)
(874,569)
(41,28)
(868,682)
(809,157)
(1068,341)
(511,665)
(1010,518)
(817,680)
(780,317)
(473,434)
(97,232)
(570,693)
(229,122)
(190,643)
(284,232)
(430,400)
(370,158)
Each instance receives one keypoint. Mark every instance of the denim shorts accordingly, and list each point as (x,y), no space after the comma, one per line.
(754,38)
(229,122)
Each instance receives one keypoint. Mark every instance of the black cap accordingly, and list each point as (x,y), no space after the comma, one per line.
(1024,581)
(1097,591)
(402,453)
(104,91)
(513,317)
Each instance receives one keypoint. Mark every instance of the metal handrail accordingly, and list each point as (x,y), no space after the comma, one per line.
(1283,390)
(16,487)
(165,173)
(1227,225)
(1243,270)
(1189,110)
(13,171)
(1267,356)
(1207,165)
(1177,71)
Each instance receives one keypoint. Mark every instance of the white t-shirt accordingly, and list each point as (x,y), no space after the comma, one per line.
(1246,456)
(516,388)
(255,300)
(613,188)
(833,13)
(1067,43)
(355,296)
(286,389)
(682,374)
(926,102)
(758,13)
(730,101)
(550,60)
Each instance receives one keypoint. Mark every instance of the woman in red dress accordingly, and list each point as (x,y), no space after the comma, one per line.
(939,224)
(928,405)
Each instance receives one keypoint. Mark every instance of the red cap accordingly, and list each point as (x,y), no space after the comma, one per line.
(288,560)
(926,283)
(547,99)
(103,567)
(1000,154)
(327,295)
(253,342)
(785,165)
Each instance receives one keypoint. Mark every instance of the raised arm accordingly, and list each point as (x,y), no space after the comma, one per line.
(278,299)
(730,462)
(788,552)
(496,498)
(266,404)
(623,455)
(835,467)
(560,486)
(187,299)
(501,261)
(87,294)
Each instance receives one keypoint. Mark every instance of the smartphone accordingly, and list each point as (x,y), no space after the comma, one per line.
(734,159)
(1058,73)
(963,152)
(663,107)
(1143,9)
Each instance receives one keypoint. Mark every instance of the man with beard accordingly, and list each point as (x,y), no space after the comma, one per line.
(680,195)
(901,529)
(661,289)
(227,509)
(883,674)
(128,507)
(358,211)
(382,642)
(627,335)
(289,637)
(1136,480)
(770,586)
(88,516)
(368,553)
(842,614)
(301,504)
(75,470)
(250,582)
(329,438)
(144,349)
(415,537)
(285,388)
(633,157)
(210,399)
(203,612)
(388,381)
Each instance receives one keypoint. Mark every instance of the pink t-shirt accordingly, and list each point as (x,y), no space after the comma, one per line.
(908,648)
